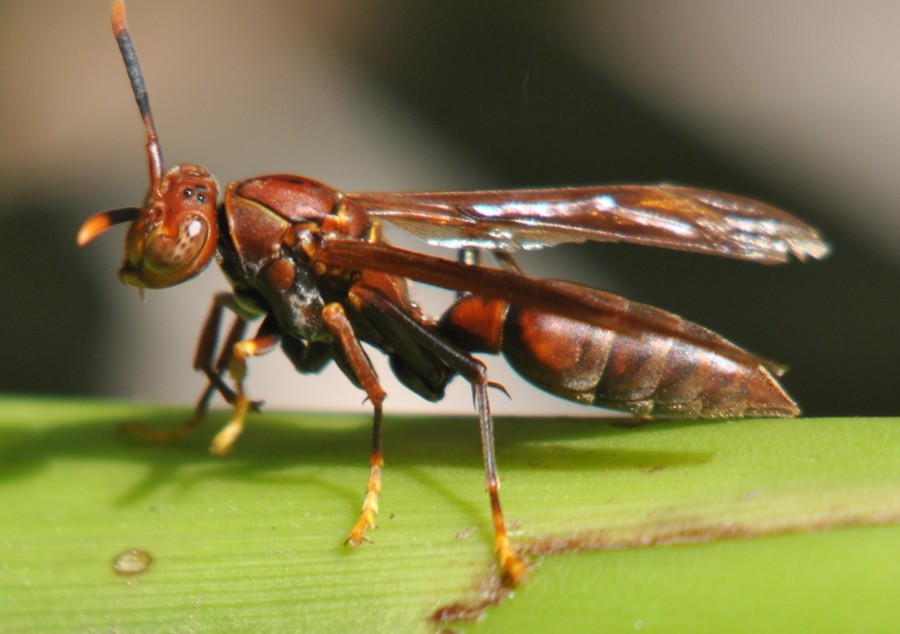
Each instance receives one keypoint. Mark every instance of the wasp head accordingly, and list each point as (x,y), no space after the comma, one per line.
(173,237)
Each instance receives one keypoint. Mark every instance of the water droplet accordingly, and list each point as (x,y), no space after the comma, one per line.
(131,562)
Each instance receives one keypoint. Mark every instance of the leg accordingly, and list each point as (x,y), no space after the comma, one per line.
(206,347)
(203,361)
(266,340)
(339,325)
(513,567)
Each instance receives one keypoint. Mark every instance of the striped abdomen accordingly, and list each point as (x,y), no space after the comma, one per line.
(645,374)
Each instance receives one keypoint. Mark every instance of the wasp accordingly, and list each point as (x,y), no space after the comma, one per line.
(310,263)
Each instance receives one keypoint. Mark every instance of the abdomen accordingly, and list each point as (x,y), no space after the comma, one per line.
(648,375)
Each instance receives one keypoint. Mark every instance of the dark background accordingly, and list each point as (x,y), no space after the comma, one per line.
(457,95)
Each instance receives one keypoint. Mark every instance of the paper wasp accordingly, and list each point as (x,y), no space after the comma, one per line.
(311,263)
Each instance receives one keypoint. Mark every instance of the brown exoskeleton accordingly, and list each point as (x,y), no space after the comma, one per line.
(310,262)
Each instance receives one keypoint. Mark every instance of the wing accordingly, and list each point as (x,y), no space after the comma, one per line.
(660,215)
(587,305)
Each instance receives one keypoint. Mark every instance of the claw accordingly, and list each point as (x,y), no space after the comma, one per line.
(357,534)
(514,568)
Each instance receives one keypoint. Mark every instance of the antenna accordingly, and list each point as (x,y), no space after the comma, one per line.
(129,56)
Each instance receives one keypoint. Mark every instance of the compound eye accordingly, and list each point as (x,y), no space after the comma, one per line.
(171,254)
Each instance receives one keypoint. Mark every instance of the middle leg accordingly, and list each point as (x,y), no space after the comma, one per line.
(340,327)
(513,567)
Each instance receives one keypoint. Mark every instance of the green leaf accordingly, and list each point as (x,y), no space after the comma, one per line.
(254,541)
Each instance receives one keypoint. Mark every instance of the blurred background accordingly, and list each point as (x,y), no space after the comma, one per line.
(770,99)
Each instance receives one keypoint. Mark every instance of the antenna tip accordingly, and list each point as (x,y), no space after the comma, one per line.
(118,17)
(92,228)
(98,223)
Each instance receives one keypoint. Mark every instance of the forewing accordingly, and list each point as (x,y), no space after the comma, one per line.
(661,215)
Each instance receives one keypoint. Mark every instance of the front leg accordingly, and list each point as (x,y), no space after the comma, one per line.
(205,361)
(339,325)
(267,339)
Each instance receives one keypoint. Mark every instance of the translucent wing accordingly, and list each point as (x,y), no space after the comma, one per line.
(659,215)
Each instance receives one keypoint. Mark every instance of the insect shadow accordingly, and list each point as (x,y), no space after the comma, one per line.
(276,444)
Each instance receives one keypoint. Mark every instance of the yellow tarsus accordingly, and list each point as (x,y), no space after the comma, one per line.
(357,534)
(224,440)
(513,567)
